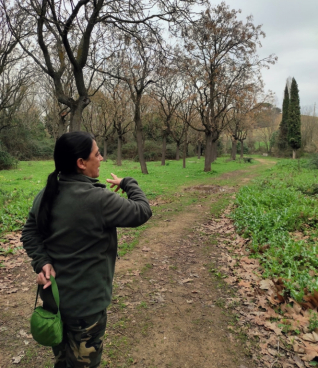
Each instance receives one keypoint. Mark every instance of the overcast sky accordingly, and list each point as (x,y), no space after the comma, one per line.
(291,28)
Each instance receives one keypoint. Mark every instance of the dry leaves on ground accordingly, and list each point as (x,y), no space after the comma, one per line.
(280,323)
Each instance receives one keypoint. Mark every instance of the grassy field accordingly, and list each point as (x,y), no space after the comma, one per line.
(19,186)
(278,212)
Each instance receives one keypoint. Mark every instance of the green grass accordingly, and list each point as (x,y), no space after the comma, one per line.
(19,186)
(280,216)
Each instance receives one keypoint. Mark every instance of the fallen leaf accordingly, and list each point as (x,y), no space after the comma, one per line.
(298,361)
(312,337)
(17,359)
(311,353)
(244,284)
(273,327)
(12,291)
(185,281)
(266,284)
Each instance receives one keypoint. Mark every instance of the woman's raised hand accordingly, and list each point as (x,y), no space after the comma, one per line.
(115,182)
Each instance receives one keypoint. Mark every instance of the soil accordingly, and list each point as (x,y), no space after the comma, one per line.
(168,302)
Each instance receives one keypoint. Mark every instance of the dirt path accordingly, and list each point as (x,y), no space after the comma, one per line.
(168,308)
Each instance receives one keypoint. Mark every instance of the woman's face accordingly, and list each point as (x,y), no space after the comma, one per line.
(90,166)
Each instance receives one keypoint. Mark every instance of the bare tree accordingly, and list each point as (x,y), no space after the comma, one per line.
(121,112)
(14,75)
(136,65)
(56,115)
(187,113)
(309,128)
(169,93)
(220,58)
(266,119)
(60,34)
(240,120)
(97,118)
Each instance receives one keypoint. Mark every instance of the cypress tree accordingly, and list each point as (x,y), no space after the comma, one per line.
(294,123)
(283,127)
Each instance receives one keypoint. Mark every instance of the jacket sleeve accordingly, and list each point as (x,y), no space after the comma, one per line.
(33,241)
(121,212)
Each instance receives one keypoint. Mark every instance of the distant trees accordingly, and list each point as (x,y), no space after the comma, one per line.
(309,129)
(60,34)
(169,93)
(14,75)
(136,65)
(266,119)
(294,122)
(105,67)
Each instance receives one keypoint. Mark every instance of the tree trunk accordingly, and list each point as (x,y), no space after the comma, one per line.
(214,150)
(208,152)
(105,149)
(164,147)
(234,149)
(177,152)
(294,154)
(185,146)
(242,149)
(61,127)
(139,138)
(76,113)
(119,149)
(199,150)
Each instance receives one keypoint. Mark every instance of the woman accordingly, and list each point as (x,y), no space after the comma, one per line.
(71,234)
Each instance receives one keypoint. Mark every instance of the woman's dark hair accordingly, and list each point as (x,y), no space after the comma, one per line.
(68,149)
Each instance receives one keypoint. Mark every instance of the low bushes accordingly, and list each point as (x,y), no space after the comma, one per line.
(7,161)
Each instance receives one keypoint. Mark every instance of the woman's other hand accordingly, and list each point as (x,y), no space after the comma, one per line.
(43,277)
(115,182)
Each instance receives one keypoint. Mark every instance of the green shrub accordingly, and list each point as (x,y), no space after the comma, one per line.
(129,150)
(313,163)
(245,148)
(7,161)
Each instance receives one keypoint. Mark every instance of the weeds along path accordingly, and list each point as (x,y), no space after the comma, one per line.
(168,308)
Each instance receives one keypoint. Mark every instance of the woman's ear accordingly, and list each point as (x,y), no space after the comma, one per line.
(80,164)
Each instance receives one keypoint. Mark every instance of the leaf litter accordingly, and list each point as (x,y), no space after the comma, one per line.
(280,323)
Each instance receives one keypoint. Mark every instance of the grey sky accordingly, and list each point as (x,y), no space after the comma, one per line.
(291,28)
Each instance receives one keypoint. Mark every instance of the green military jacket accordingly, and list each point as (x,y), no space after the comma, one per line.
(82,246)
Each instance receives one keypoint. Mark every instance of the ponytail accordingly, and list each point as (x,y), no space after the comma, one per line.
(68,149)
(50,192)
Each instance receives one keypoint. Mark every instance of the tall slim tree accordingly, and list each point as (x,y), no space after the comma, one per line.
(283,127)
(294,122)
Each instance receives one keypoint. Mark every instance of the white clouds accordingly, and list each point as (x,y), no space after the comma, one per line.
(291,29)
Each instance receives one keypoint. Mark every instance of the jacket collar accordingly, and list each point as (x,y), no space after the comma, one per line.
(81,178)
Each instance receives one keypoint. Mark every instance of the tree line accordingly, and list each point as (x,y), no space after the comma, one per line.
(181,71)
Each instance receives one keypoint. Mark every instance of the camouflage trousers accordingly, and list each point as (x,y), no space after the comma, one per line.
(82,344)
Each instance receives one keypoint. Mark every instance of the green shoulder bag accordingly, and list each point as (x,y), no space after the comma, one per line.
(47,327)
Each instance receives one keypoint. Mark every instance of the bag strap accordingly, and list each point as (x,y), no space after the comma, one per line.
(55,292)
(37,294)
